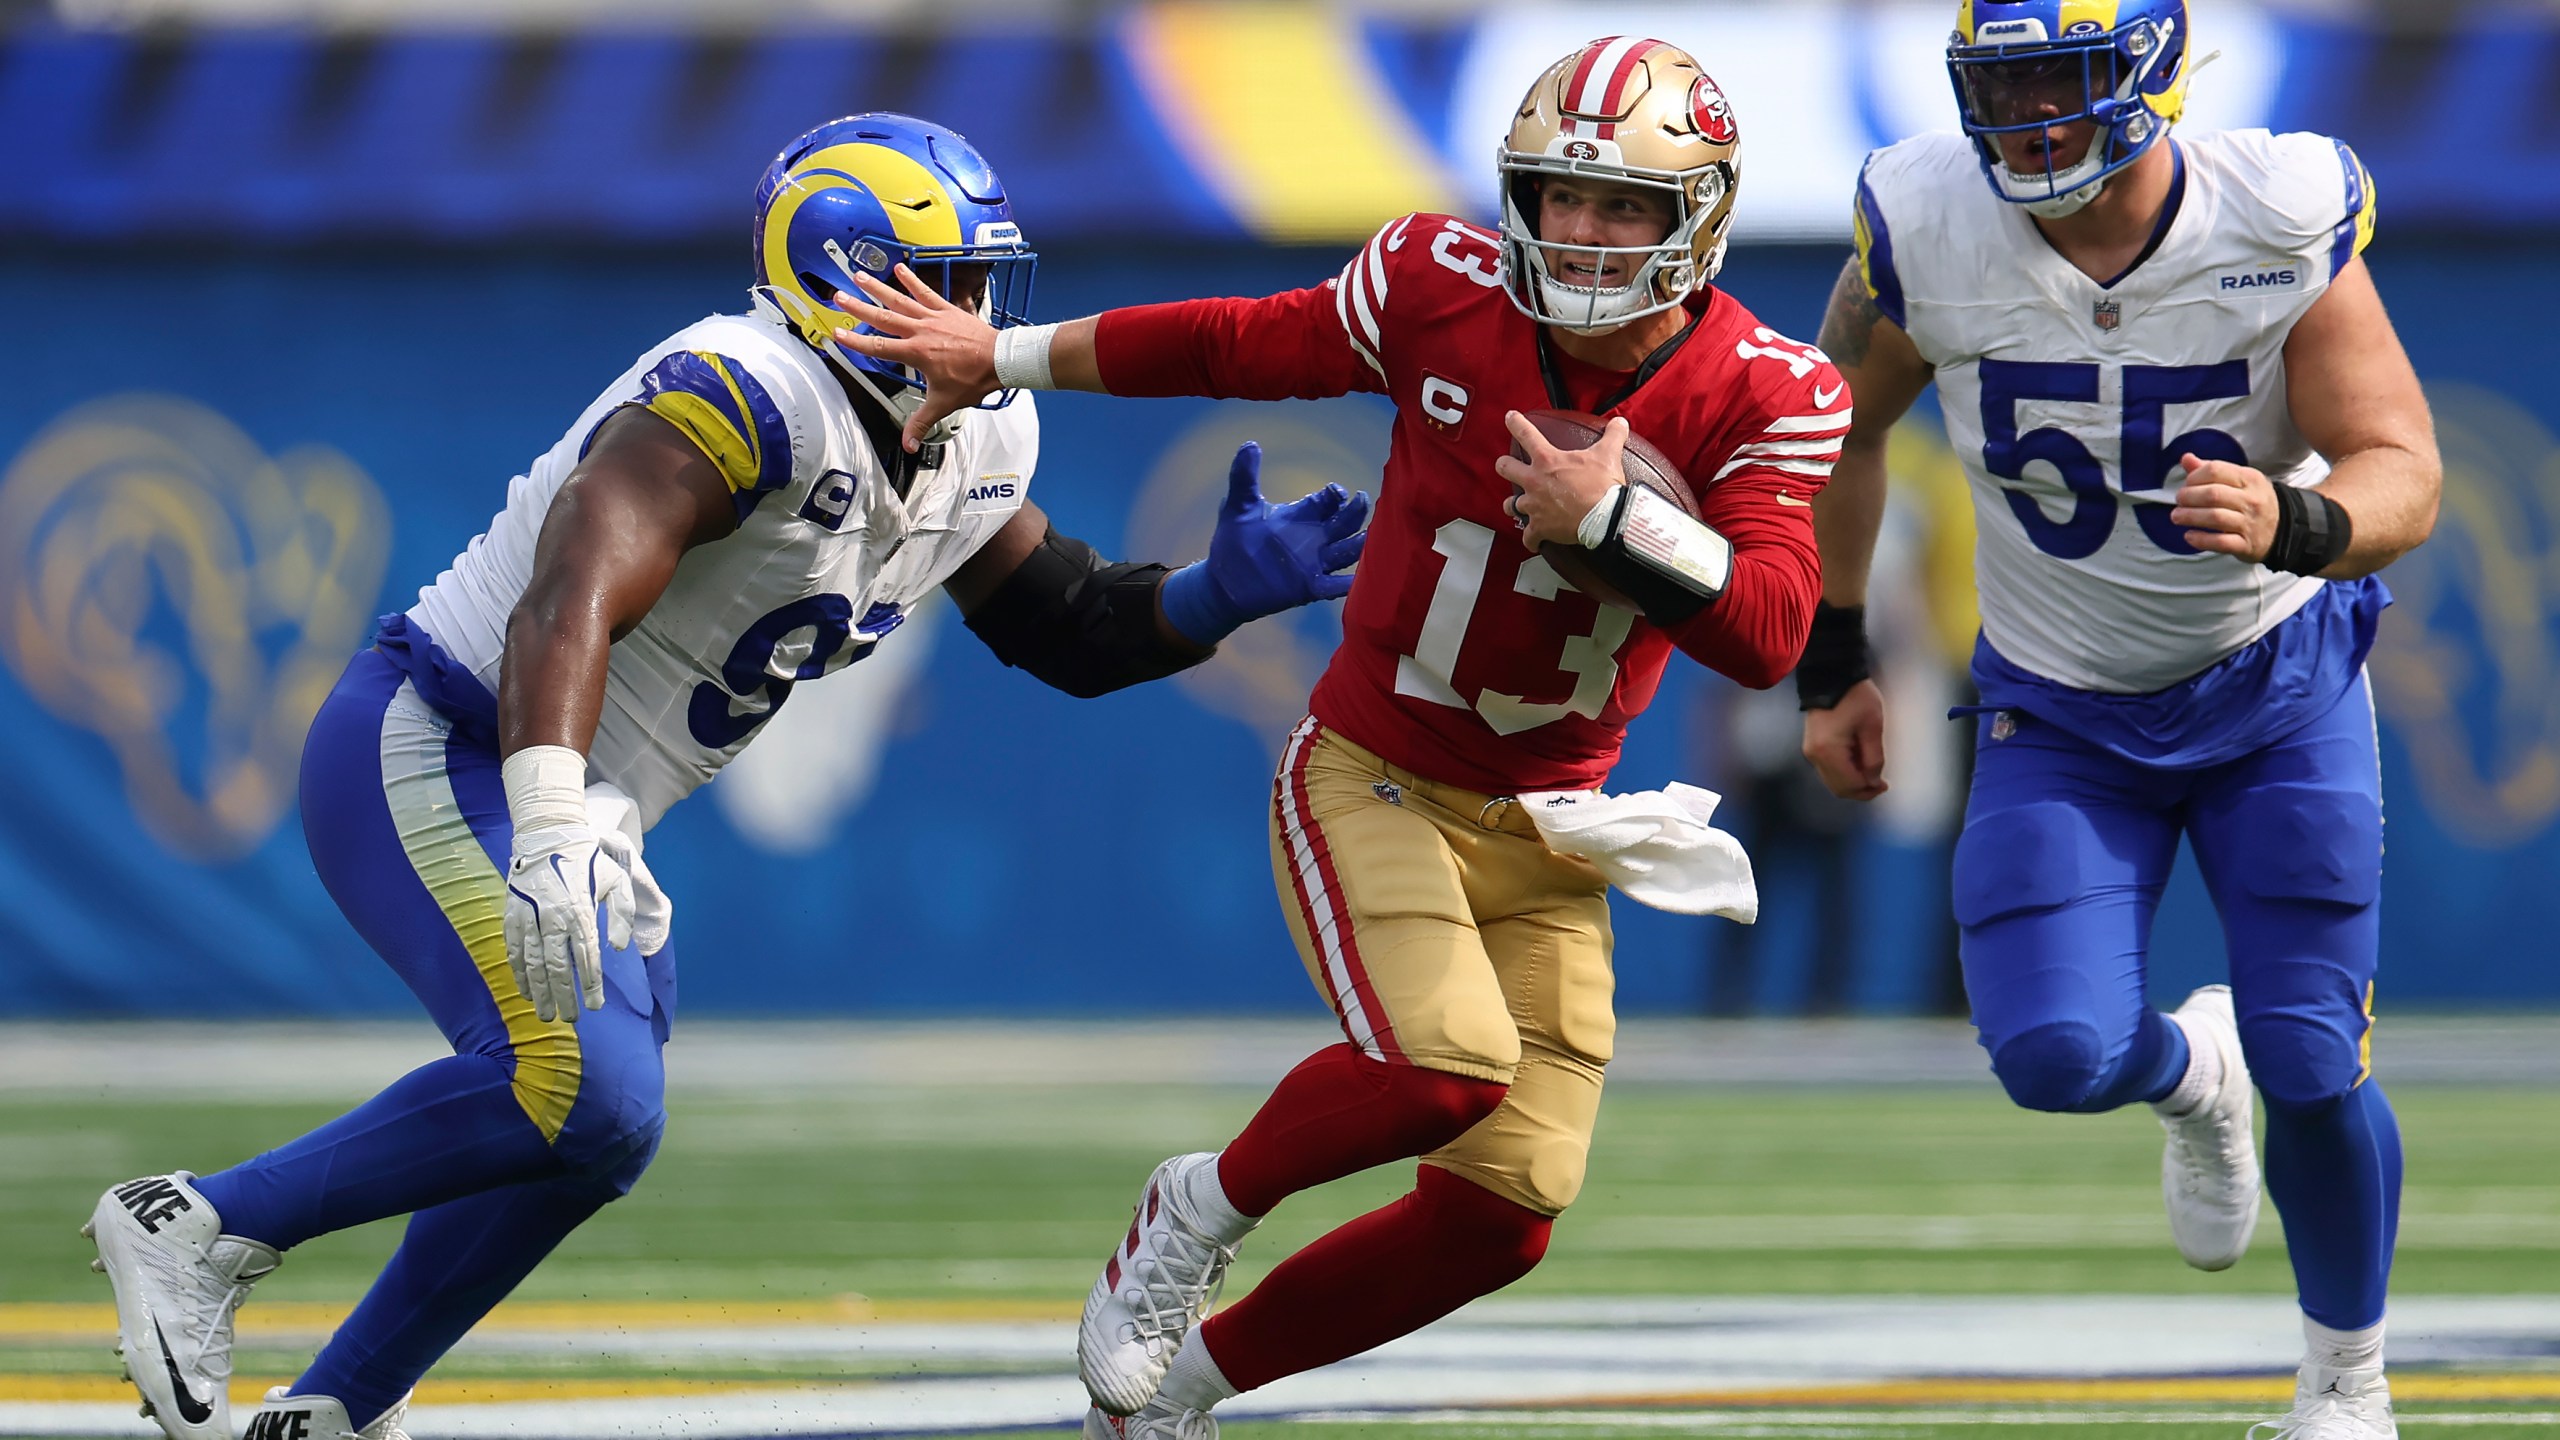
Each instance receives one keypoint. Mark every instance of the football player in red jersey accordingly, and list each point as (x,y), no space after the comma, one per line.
(1468,962)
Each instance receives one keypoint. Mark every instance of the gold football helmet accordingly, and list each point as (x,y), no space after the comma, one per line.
(1638,112)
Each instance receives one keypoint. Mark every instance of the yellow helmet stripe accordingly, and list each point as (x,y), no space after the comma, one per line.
(1251,130)
(919,208)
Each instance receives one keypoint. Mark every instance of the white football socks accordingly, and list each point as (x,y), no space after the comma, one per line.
(2203,1077)
(1194,1381)
(2342,1349)
(1205,1200)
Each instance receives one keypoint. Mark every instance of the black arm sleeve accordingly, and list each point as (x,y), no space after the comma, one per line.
(1079,624)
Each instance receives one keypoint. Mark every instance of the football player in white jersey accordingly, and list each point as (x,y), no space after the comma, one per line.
(2193,439)
(733,515)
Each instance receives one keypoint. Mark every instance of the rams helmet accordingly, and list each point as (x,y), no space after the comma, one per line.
(866,194)
(1637,112)
(2022,66)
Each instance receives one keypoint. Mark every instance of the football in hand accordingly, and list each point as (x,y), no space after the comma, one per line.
(1642,464)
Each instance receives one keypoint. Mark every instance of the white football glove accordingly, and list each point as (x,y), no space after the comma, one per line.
(560,874)
(617,823)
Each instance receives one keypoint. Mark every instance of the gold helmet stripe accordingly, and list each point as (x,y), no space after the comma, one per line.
(1248,129)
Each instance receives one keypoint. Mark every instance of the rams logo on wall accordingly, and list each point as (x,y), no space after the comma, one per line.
(1261,673)
(190,599)
(2466,668)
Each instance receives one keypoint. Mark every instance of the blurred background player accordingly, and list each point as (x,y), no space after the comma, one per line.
(1468,963)
(733,515)
(2192,438)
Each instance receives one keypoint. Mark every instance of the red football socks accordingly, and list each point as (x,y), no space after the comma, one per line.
(1388,1273)
(1340,1113)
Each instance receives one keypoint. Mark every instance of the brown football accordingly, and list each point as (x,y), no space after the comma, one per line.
(1642,464)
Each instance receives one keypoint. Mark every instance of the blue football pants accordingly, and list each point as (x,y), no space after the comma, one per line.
(2065,851)
(497,1151)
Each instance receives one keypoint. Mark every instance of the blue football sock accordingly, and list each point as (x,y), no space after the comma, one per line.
(2157,1060)
(2333,1167)
(446,1129)
(2151,1066)
(456,1263)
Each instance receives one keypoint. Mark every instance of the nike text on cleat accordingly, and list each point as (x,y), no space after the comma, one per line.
(1155,1287)
(1158,1421)
(320,1417)
(2209,1169)
(2335,1405)
(177,1280)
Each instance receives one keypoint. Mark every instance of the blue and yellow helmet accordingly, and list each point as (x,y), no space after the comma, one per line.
(869,193)
(2022,66)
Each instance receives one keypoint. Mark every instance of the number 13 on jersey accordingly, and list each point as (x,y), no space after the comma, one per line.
(1466,551)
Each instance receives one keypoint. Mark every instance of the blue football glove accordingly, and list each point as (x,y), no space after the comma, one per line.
(1266,558)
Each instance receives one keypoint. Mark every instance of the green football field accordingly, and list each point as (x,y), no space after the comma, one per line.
(1001,1202)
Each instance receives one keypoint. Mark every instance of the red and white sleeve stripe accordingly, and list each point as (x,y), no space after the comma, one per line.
(1793,445)
(1360,297)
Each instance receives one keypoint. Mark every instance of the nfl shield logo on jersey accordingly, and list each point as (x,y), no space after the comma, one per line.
(2108,313)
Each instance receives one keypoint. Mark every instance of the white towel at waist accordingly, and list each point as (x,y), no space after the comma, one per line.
(1655,845)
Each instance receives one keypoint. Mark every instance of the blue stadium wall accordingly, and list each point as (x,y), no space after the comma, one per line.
(219,469)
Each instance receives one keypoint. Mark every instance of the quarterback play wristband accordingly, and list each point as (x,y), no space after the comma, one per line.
(1022,357)
(546,788)
(1663,537)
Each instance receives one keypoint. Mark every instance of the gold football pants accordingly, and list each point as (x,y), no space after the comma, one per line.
(1447,935)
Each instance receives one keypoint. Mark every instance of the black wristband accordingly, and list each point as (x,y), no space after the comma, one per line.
(2312,531)
(1836,656)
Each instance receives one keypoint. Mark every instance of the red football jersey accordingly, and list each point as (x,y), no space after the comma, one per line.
(1466,658)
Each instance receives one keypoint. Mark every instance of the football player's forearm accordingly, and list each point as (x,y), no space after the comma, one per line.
(1274,348)
(1847,516)
(2389,493)
(1755,631)
(551,681)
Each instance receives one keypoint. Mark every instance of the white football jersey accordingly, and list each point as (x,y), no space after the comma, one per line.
(2069,401)
(827,558)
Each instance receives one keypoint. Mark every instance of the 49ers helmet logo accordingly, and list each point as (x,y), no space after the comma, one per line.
(1712,111)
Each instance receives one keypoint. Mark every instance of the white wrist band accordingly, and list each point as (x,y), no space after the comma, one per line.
(546,787)
(1594,530)
(1022,357)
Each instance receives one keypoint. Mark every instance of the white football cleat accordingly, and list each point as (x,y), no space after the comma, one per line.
(1154,1288)
(177,1279)
(2209,1170)
(321,1417)
(2335,1405)
(1157,1421)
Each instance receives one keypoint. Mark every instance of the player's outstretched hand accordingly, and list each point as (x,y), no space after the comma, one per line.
(1266,558)
(953,349)
(1559,487)
(1846,743)
(556,881)
(2227,509)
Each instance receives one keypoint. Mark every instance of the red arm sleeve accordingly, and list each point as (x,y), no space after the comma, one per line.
(1755,631)
(1285,346)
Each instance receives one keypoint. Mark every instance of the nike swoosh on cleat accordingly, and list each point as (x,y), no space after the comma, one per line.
(1822,398)
(190,1409)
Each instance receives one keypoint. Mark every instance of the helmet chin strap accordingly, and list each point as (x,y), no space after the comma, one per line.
(2070,202)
